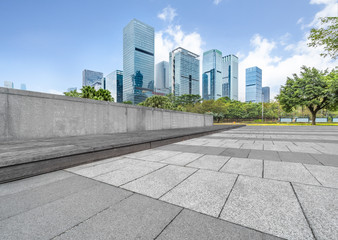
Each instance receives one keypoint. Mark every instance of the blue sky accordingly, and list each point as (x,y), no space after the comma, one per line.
(46,44)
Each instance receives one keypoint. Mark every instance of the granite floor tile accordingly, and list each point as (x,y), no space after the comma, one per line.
(210,162)
(244,166)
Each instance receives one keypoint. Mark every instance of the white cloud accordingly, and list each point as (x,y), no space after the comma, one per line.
(275,69)
(216,2)
(301,20)
(330,10)
(167,14)
(173,36)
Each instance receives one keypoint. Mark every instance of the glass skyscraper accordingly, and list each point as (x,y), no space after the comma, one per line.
(8,84)
(230,77)
(184,71)
(138,61)
(253,83)
(91,78)
(23,86)
(162,75)
(114,83)
(212,74)
(266,94)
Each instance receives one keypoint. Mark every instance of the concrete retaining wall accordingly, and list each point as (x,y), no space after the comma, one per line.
(27,115)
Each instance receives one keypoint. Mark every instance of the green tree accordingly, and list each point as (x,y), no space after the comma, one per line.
(91,93)
(73,93)
(127,102)
(157,101)
(187,99)
(313,89)
(326,36)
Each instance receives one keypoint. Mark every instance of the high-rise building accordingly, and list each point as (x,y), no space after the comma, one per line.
(114,83)
(23,86)
(8,84)
(184,71)
(91,78)
(138,61)
(266,94)
(212,74)
(162,75)
(230,77)
(253,83)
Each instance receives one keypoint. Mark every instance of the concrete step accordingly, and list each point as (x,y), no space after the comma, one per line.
(21,159)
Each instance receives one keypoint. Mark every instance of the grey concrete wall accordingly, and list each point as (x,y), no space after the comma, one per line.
(27,115)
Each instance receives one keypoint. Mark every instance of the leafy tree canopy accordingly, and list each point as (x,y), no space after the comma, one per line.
(157,101)
(313,89)
(91,93)
(326,36)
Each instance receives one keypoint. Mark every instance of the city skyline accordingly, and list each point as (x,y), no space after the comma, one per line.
(51,52)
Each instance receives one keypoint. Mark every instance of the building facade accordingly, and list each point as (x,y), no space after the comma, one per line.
(184,72)
(253,84)
(212,74)
(23,86)
(266,94)
(8,84)
(138,61)
(230,77)
(91,78)
(162,75)
(114,83)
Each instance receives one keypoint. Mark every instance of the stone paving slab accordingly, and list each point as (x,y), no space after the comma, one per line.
(321,209)
(205,192)
(244,166)
(158,156)
(241,153)
(54,218)
(286,171)
(99,169)
(298,157)
(31,183)
(190,225)
(326,159)
(209,162)
(266,205)
(23,201)
(264,155)
(182,158)
(136,217)
(327,176)
(159,182)
(129,173)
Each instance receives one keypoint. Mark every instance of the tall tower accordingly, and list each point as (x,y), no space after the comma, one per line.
(253,84)
(266,94)
(212,74)
(91,78)
(230,77)
(138,61)
(184,71)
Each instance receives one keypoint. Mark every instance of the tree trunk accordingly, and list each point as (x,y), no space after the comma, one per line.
(313,113)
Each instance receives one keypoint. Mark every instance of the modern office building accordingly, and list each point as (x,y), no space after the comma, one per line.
(23,86)
(114,83)
(8,84)
(184,71)
(91,78)
(162,75)
(212,74)
(253,83)
(230,77)
(138,61)
(266,94)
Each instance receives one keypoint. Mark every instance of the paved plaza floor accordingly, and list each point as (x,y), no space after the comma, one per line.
(255,182)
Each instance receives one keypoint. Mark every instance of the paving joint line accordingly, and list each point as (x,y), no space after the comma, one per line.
(263,168)
(169,223)
(179,183)
(233,186)
(85,220)
(224,164)
(307,220)
(312,174)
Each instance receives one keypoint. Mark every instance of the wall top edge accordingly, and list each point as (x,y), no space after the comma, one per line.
(26,93)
